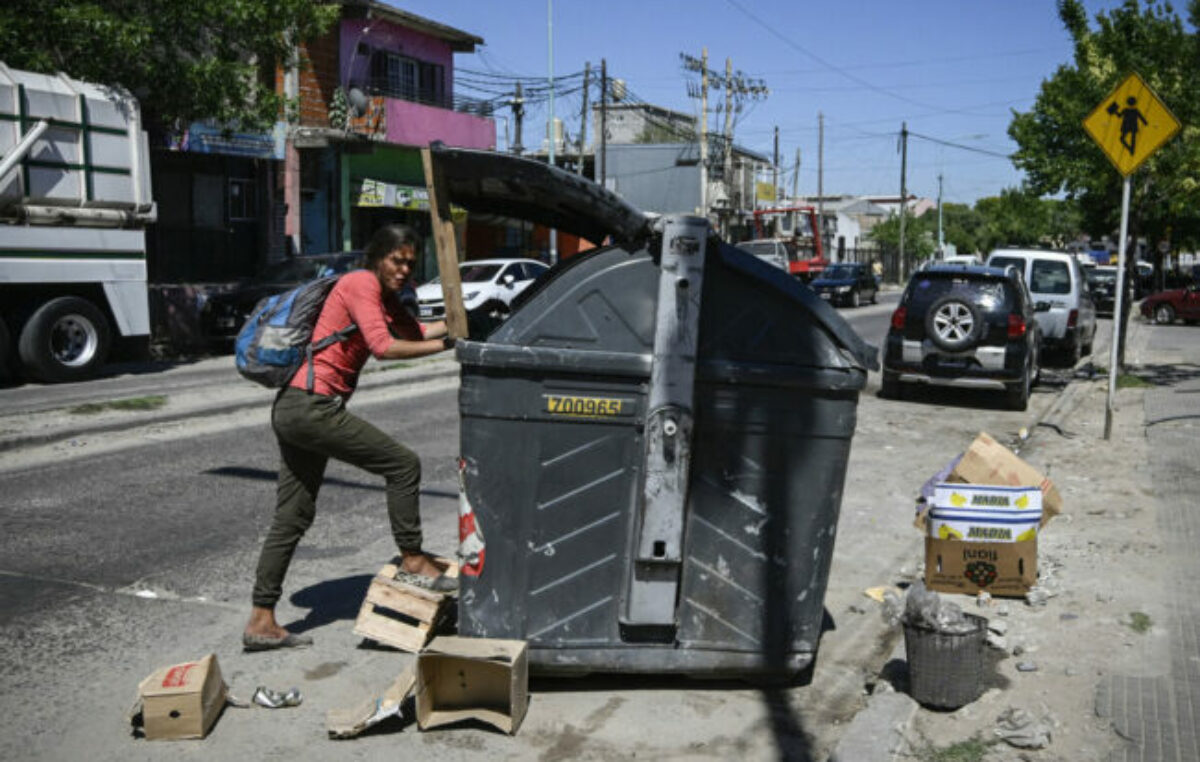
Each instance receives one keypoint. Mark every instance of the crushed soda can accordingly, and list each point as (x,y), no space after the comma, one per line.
(264,696)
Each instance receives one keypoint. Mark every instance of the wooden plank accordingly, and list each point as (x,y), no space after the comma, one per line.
(447,251)
(392,633)
(405,587)
(401,601)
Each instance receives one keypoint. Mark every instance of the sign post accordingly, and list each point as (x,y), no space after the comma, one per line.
(1129,125)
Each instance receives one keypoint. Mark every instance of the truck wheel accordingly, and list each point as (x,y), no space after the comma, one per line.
(66,339)
(5,351)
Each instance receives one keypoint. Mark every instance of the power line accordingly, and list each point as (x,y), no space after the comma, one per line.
(960,146)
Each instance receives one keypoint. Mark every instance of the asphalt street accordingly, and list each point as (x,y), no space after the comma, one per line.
(131,546)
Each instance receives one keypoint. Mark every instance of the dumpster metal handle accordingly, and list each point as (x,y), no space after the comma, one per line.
(658,552)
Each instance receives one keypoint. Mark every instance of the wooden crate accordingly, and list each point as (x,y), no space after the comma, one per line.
(401,615)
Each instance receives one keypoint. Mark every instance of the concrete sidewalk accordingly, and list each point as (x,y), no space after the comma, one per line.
(1108,662)
(1159,713)
(211,388)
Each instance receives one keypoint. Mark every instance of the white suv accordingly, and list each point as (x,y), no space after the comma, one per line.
(1056,280)
(488,285)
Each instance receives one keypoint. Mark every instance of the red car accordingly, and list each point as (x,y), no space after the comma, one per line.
(1165,306)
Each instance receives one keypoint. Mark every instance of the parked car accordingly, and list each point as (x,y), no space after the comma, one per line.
(769,250)
(847,283)
(1102,281)
(967,327)
(963,259)
(1165,306)
(1056,279)
(224,312)
(488,285)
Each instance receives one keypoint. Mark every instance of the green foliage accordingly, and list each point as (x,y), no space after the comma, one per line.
(1059,157)
(151,402)
(972,750)
(185,61)
(1140,622)
(1018,217)
(920,238)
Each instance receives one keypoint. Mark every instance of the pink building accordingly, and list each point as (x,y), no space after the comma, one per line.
(380,87)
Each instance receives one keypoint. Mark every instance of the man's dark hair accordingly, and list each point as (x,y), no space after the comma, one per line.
(389,238)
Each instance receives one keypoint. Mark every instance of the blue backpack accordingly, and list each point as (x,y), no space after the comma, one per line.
(277,337)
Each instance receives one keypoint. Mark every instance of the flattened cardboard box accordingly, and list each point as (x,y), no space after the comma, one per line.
(987,461)
(1000,568)
(472,678)
(183,700)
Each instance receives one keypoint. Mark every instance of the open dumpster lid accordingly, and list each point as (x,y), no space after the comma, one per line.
(495,183)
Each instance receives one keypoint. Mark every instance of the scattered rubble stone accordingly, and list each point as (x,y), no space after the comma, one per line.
(1002,609)
(1037,596)
(997,641)
(1068,617)
(1026,666)
(998,626)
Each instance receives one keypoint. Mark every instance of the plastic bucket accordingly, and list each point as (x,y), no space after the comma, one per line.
(945,670)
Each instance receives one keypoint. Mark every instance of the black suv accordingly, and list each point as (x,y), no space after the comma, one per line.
(969,327)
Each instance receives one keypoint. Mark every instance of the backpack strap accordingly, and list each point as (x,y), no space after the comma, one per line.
(316,346)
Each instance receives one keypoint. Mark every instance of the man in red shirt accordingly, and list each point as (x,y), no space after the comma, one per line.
(313,426)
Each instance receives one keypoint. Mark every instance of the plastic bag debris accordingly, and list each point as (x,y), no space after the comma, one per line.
(924,608)
(264,696)
(1019,728)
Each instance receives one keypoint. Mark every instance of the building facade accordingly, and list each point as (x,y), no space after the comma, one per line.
(378,89)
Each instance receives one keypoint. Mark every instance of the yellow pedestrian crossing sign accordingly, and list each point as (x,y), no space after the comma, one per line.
(1130,124)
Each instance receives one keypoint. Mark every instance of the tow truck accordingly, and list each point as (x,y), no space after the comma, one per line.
(806,254)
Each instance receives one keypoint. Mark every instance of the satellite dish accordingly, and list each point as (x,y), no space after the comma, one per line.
(358,101)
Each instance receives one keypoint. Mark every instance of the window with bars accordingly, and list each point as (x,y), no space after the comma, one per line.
(397,76)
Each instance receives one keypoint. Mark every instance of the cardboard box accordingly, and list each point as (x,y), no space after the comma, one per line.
(348,723)
(977,526)
(988,462)
(985,513)
(472,678)
(1004,569)
(183,700)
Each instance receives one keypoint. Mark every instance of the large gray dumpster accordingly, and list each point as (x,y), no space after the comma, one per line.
(655,445)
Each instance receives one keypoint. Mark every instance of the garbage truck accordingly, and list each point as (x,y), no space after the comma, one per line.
(653,444)
(75,201)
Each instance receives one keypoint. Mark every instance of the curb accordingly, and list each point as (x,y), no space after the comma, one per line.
(247,399)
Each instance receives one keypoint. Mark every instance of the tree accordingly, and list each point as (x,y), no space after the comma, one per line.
(185,61)
(1059,157)
(961,226)
(920,237)
(1018,217)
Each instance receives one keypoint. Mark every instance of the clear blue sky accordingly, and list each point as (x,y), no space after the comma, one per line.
(952,69)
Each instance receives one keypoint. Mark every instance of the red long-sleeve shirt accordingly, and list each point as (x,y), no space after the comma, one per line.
(356,298)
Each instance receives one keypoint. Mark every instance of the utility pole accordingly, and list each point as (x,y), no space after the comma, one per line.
(775,175)
(903,190)
(796,176)
(820,231)
(703,210)
(604,122)
(518,109)
(941,238)
(550,111)
(727,164)
(583,119)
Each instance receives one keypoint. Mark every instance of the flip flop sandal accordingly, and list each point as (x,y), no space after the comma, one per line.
(268,643)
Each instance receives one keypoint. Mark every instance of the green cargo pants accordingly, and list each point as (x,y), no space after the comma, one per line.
(311,429)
